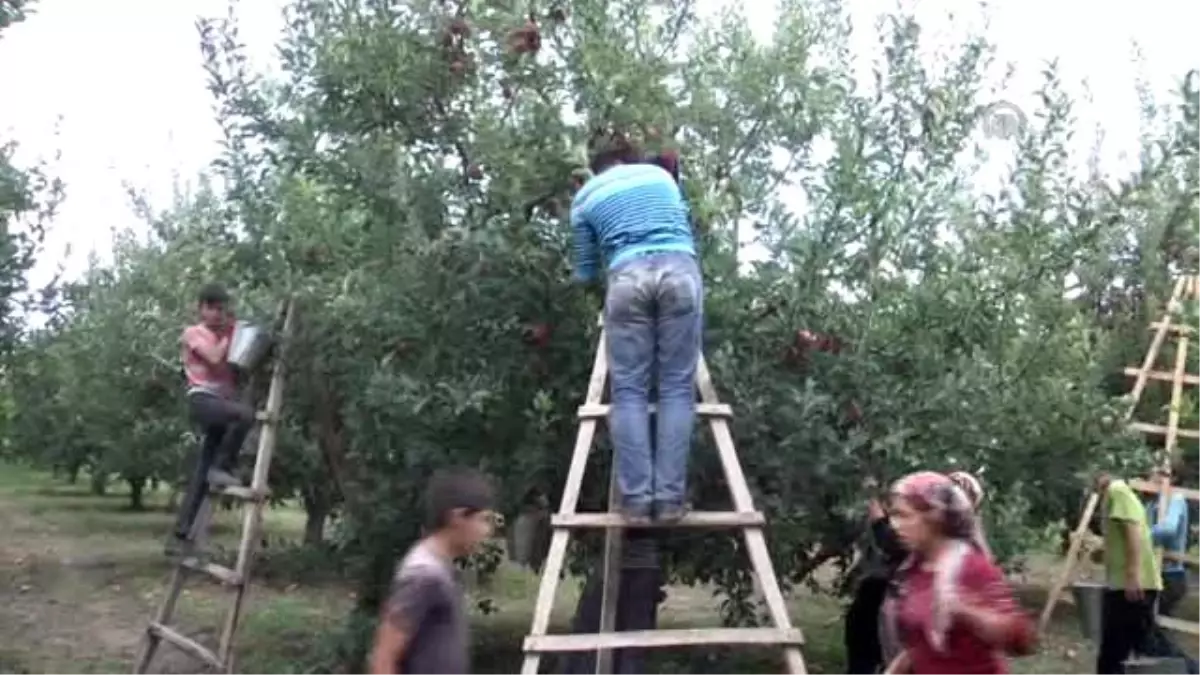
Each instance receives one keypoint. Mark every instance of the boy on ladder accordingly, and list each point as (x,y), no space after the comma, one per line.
(212,404)
(635,214)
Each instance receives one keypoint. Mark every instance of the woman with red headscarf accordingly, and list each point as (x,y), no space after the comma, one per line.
(951,610)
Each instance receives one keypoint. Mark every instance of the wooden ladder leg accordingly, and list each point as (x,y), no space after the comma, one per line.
(556,558)
(1160,335)
(197,537)
(252,512)
(1068,568)
(756,543)
(614,540)
(1167,457)
(250,537)
(166,611)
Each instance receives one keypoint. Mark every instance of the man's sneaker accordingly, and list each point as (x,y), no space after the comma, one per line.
(219,478)
(670,513)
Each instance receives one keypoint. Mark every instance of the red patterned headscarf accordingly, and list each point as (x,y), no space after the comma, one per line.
(970,485)
(942,498)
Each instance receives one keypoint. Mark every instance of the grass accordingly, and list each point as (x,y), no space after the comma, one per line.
(80,576)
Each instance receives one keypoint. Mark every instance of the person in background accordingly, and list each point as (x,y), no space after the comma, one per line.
(211,391)
(423,626)
(641,592)
(973,489)
(634,214)
(1131,573)
(1171,533)
(863,637)
(953,611)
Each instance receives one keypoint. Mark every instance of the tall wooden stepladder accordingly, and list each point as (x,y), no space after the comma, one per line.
(744,518)
(1186,289)
(194,557)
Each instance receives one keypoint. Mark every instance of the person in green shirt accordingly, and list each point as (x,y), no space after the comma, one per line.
(1131,572)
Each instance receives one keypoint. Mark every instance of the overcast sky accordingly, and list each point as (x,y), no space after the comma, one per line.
(117,87)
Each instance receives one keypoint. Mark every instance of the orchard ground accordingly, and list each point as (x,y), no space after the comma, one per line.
(80,575)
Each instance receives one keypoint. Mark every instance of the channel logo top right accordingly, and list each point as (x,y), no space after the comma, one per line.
(1002,120)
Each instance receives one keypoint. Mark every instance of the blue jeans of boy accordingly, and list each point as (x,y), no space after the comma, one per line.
(653,315)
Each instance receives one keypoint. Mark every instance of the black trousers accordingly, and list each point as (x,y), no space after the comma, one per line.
(1128,625)
(637,609)
(1159,643)
(1175,588)
(225,424)
(864,654)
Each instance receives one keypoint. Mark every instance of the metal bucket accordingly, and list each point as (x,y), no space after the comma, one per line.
(1089,602)
(1157,666)
(248,346)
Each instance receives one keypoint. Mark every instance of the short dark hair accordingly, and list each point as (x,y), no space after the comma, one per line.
(212,294)
(667,164)
(608,148)
(458,488)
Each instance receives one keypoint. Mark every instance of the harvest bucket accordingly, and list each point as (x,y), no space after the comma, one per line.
(249,344)
(1089,602)
(1159,666)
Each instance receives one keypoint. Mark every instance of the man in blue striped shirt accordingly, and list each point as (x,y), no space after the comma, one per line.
(635,215)
(1170,532)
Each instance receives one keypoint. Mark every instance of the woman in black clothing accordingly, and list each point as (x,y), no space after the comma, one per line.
(883,554)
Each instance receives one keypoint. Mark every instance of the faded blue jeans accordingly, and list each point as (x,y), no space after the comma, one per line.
(653,315)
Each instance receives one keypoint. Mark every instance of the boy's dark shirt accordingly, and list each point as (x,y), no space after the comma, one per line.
(426,602)
(884,552)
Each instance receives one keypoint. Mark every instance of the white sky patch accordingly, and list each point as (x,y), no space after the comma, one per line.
(118,88)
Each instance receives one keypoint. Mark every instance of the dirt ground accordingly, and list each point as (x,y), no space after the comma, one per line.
(80,576)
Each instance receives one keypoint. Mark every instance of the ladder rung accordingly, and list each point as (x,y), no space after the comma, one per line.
(1153,487)
(219,572)
(664,638)
(1162,430)
(186,644)
(1163,375)
(241,492)
(1171,623)
(705,409)
(1176,327)
(697,519)
(263,416)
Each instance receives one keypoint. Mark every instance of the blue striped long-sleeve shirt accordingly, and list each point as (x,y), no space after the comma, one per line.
(1171,531)
(628,210)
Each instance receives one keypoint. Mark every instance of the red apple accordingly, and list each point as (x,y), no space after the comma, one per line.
(537,335)
(853,412)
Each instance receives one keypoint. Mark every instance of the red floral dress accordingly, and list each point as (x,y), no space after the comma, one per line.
(961,650)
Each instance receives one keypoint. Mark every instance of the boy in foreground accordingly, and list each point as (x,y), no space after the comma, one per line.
(423,624)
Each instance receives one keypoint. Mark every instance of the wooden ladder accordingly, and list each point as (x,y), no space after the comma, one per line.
(193,558)
(744,518)
(1186,288)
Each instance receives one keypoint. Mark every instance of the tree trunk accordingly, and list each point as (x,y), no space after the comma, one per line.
(316,510)
(329,431)
(99,483)
(73,472)
(137,488)
(320,500)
